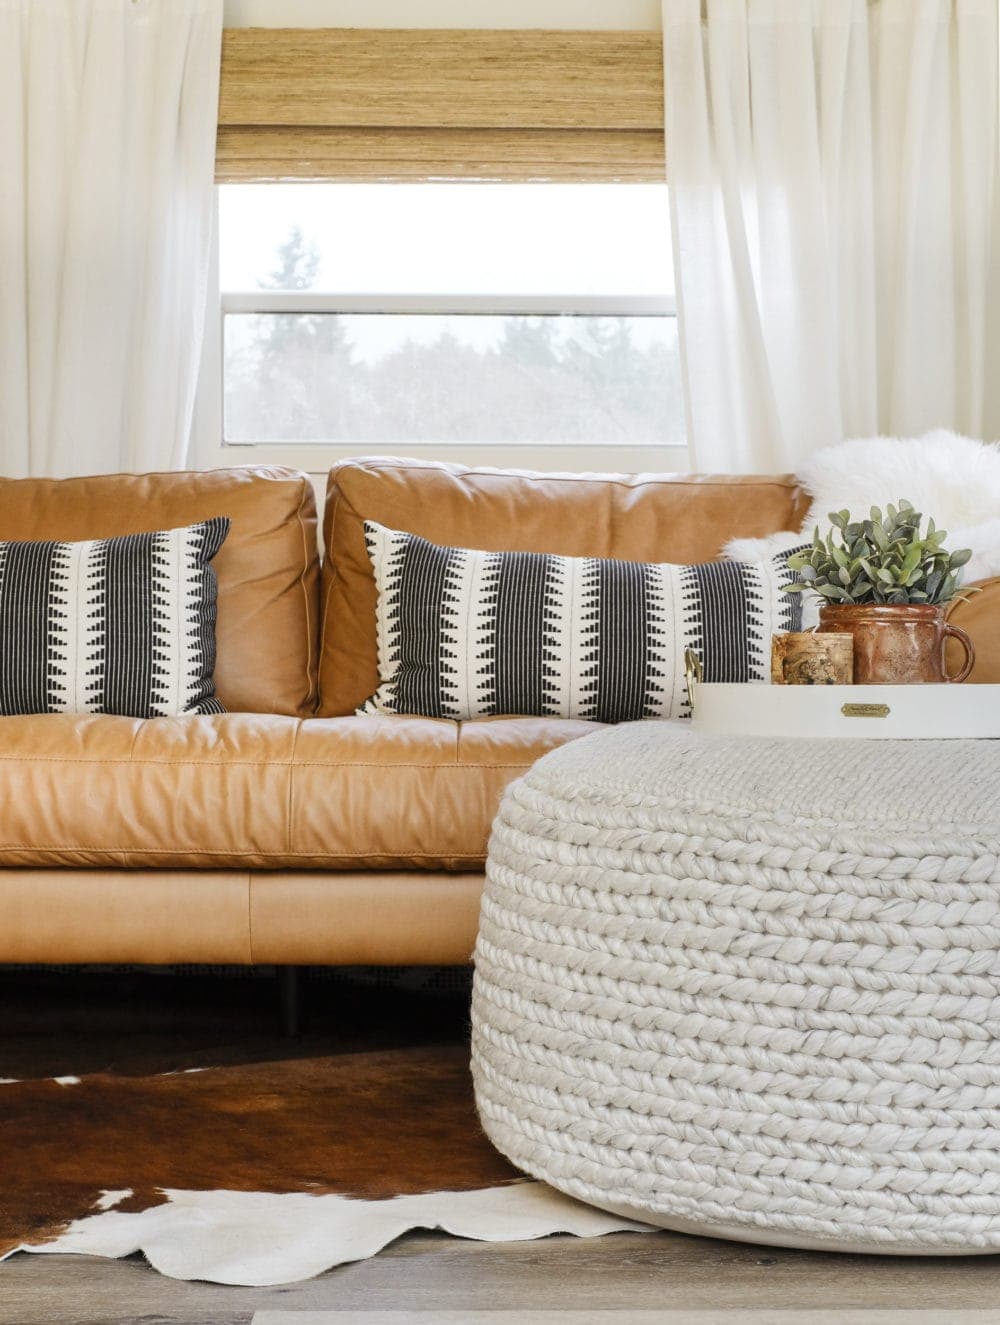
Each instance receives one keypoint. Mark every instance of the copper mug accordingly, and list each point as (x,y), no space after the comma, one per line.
(898,643)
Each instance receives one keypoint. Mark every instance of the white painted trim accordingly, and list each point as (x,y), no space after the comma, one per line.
(299,301)
(548,458)
(580,15)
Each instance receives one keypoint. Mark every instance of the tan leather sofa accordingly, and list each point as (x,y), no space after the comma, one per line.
(289,830)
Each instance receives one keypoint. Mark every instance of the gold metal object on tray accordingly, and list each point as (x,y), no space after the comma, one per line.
(865,710)
(693,671)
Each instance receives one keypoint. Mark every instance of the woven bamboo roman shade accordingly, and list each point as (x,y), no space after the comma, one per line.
(388,104)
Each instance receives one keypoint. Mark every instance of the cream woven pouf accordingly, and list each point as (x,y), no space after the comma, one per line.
(751,988)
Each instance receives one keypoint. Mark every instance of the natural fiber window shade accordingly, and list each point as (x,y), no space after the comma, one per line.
(377,104)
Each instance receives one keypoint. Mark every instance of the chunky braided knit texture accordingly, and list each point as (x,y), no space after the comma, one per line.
(751,984)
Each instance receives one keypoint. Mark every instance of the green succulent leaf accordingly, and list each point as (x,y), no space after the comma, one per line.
(913,556)
(882,559)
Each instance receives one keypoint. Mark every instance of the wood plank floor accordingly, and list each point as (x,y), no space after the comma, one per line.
(724,1316)
(717,1316)
(61,1024)
(621,1273)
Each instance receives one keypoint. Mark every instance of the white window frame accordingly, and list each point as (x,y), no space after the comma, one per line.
(212,450)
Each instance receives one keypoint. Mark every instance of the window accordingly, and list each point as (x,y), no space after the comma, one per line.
(494,323)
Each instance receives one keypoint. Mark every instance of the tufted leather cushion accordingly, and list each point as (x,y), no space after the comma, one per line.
(268,567)
(637,517)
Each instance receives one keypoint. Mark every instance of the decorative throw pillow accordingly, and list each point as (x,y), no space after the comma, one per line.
(111,625)
(464,634)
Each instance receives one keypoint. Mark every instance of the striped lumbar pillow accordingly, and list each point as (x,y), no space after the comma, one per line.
(465,634)
(113,625)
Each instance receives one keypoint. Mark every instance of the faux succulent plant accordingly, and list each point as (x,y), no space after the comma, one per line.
(884,559)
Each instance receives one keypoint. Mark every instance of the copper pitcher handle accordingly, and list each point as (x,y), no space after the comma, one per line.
(956,632)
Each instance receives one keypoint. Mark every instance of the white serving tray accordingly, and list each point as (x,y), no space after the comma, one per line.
(917,712)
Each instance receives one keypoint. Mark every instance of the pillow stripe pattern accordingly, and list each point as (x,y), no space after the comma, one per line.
(117,625)
(468,634)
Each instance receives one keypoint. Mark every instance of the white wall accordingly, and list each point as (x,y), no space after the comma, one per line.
(642,15)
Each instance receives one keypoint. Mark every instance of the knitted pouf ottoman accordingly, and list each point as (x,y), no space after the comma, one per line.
(751,988)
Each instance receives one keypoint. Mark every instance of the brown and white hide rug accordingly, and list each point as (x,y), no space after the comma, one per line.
(267,1173)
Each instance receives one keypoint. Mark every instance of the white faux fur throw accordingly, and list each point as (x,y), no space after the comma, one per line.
(954,479)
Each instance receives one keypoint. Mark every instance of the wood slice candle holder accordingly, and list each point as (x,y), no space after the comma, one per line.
(809,658)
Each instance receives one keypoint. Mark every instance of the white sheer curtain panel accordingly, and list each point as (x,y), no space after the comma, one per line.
(833,174)
(108,113)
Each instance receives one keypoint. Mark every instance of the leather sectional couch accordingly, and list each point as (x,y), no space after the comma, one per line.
(290,830)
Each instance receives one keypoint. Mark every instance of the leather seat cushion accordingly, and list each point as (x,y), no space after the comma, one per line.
(635,517)
(260,791)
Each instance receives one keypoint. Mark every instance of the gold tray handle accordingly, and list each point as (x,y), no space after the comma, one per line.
(693,672)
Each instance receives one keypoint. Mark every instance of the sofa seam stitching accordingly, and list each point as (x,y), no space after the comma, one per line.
(268,472)
(291,785)
(704,480)
(333,575)
(312,694)
(233,763)
(400,853)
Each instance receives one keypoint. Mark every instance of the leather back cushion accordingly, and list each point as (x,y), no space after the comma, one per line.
(268,566)
(637,517)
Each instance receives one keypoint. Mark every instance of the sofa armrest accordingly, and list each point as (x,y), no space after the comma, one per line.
(979,616)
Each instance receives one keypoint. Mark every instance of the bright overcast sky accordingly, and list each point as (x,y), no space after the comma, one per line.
(581,239)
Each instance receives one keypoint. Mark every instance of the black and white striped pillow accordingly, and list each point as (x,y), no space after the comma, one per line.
(464,634)
(112,625)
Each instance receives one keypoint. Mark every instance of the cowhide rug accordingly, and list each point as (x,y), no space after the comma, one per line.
(267,1173)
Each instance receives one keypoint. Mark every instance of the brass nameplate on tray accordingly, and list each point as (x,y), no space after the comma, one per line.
(865,710)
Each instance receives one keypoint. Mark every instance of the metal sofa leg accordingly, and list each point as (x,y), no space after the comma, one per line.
(289,986)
